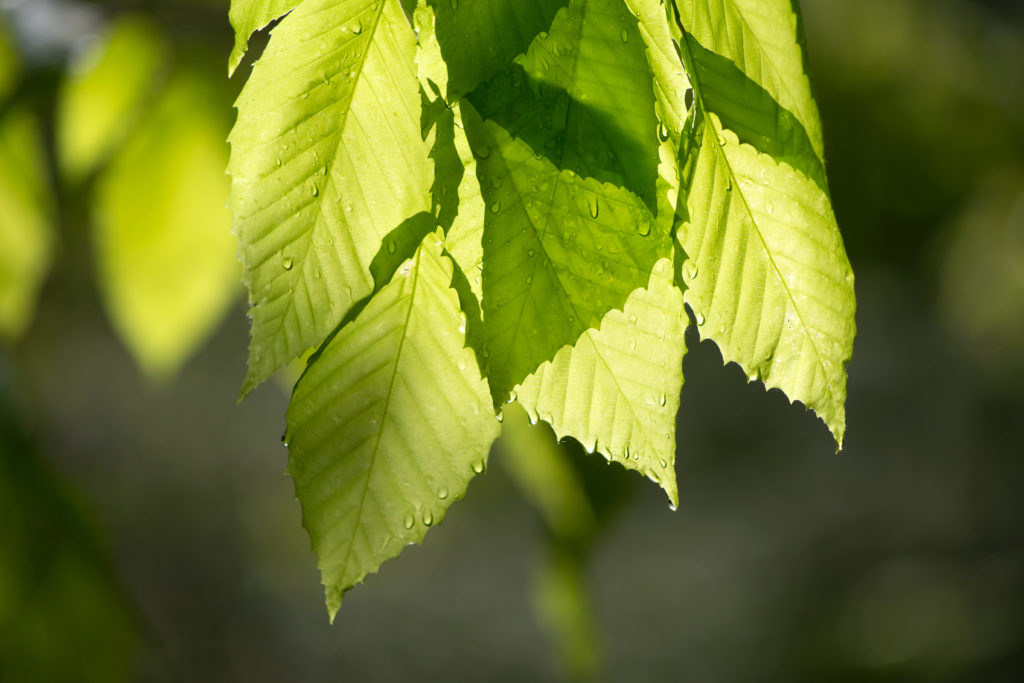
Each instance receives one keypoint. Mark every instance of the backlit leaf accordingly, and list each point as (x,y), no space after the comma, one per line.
(327,159)
(388,424)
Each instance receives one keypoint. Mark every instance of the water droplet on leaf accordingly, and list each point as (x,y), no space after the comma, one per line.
(409,521)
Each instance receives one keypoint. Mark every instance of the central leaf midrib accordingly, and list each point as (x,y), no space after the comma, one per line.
(414,277)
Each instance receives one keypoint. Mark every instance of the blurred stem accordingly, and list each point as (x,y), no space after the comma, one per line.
(544,472)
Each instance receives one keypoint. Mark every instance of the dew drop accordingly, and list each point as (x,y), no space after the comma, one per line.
(644,228)
(661,400)
(594,206)
(728,184)
(409,521)
(316,191)
(699,317)
(721,139)
(287,262)
(428,518)
(662,132)
(663,464)
(691,270)
(279,161)
(357,28)
(624,35)
(442,493)
(495,207)
(478,466)
(391,246)
(530,252)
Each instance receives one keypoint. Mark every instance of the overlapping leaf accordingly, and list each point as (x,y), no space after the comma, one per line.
(617,389)
(249,16)
(559,251)
(582,97)
(388,424)
(327,159)
(558,147)
(478,39)
(768,278)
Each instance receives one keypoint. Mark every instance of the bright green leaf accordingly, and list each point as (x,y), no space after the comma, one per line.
(617,389)
(768,278)
(26,231)
(388,425)
(327,158)
(167,264)
(759,39)
(670,87)
(105,93)
(582,97)
(560,251)
(249,16)
(479,38)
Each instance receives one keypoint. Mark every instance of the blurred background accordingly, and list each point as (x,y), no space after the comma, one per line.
(147,529)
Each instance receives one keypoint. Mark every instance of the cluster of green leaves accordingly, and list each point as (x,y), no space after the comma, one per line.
(455,205)
(139,135)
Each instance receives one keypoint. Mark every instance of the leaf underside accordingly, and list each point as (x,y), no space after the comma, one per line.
(768,279)
(389,424)
(327,158)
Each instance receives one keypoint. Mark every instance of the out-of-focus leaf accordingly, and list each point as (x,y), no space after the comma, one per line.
(166,256)
(102,98)
(8,63)
(26,231)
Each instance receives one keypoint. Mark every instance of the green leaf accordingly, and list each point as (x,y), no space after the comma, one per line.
(105,94)
(768,279)
(388,425)
(670,84)
(167,266)
(26,230)
(249,16)
(327,158)
(582,97)
(617,389)
(761,39)
(478,39)
(559,251)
